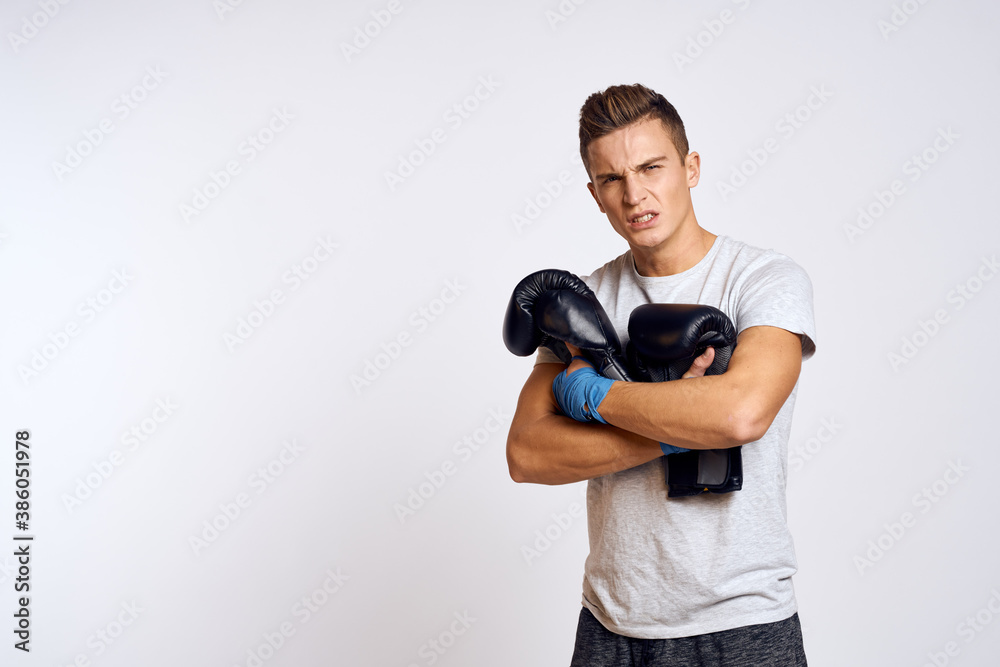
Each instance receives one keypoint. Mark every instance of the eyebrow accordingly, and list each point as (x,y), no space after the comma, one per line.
(658,158)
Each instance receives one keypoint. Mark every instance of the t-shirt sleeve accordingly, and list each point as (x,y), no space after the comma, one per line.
(777,292)
(546,356)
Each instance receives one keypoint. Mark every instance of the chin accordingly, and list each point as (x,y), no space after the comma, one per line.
(648,238)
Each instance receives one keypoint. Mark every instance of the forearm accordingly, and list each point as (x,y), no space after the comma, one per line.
(546,447)
(558,450)
(698,413)
(718,411)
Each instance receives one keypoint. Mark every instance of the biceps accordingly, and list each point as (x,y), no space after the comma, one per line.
(766,363)
(536,400)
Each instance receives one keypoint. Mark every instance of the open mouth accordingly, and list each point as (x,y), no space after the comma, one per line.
(642,219)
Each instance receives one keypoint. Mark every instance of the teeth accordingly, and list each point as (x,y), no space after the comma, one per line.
(648,216)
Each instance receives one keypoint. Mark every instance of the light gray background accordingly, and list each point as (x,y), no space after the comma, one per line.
(869,435)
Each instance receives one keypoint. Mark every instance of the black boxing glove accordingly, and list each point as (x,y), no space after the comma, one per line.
(665,339)
(551,308)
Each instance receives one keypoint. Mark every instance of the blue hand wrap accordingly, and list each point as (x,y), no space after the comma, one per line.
(584,387)
(670,449)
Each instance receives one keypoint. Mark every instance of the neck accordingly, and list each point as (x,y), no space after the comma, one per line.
(677,254)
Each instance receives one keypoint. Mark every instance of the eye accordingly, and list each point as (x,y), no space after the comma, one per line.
(652,166)
(609,179)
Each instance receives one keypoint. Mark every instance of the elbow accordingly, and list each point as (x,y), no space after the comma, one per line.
(743,432)
(516,464)
(517,473)
(746,425)
(527,465)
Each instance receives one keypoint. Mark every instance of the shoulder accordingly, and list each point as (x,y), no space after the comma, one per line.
(752,267)
(770,288)
(746,258)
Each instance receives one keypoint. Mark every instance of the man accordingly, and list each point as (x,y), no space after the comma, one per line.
(703,580)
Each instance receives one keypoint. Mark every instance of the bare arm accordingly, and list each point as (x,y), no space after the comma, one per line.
(717,411)
(546,447)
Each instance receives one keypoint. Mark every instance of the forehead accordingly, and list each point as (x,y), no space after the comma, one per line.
(631,145)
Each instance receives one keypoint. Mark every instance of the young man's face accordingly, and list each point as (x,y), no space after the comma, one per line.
(642,184)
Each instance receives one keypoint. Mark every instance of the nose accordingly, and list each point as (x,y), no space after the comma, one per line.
(633,193)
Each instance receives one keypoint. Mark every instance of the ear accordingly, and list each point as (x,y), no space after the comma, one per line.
(590,186)
(693,166)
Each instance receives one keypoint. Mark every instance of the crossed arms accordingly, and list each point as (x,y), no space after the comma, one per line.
(735,408)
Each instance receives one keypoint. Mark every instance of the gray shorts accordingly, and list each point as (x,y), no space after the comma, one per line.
(767,645)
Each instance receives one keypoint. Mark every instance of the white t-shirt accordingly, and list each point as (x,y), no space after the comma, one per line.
(664,568)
